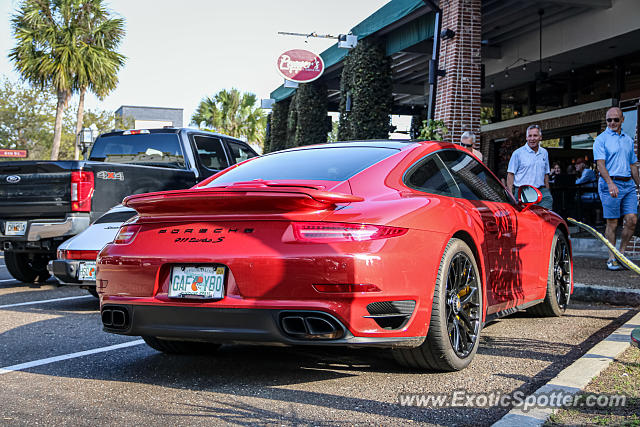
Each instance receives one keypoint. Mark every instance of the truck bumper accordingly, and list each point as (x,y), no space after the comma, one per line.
(41,229)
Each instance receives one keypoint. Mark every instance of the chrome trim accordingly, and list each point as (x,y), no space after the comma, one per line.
(72,225)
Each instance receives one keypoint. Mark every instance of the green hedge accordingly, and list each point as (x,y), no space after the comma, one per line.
(367,77)
(311,107)
(278,134)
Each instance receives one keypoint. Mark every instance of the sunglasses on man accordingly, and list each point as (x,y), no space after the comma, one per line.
(466,145)
(613,119)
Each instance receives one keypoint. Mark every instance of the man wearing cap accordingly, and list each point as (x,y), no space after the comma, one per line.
(529,165)
(614,154)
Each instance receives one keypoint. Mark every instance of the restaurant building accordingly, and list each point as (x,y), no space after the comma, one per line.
(508,64)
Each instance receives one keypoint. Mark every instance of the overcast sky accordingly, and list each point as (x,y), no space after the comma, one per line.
(181,51)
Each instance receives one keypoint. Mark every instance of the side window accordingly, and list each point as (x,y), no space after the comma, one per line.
(239,152)
(474,179)
(431,176)
(210,152)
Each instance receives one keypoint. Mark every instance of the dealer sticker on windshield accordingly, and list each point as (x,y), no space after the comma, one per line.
(197,282)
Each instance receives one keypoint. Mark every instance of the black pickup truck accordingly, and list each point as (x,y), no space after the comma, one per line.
(43,203)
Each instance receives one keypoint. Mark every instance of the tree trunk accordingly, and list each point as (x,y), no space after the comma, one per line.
(63,99)
(79,121)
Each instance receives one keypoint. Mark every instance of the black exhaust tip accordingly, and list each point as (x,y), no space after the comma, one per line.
(114,317)
(107,317)
(311,326)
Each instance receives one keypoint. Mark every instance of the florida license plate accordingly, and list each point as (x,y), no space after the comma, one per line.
(15,228)
(87,271)
(205,282)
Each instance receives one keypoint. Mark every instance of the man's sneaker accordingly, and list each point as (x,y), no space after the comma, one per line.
(613,265)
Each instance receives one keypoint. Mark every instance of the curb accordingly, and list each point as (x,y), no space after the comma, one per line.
(575,377)
(607,294)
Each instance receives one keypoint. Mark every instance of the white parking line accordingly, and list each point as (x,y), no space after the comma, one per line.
(48,360)
(44,301)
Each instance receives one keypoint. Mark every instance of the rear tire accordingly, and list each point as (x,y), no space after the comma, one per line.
(558,280)
(27,267)
(180,347)
(456,315)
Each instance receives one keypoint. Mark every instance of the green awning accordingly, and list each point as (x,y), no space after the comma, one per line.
(401,38)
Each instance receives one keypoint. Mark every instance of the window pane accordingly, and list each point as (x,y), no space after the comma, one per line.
(322,164)
(155,149)
(210,152)
(474,180)
(430,176)
(239,152)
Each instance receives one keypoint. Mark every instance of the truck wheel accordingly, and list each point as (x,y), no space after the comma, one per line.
(26,267)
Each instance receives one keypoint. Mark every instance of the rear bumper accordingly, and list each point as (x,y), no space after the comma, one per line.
(233,325)
(48,228)
(66,271)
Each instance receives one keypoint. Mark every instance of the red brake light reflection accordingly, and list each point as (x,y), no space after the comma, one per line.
(126,234)
(325,232)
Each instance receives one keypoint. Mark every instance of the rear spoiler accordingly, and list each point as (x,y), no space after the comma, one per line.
(235,200)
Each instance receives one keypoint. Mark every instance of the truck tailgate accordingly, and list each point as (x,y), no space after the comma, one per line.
(35,189)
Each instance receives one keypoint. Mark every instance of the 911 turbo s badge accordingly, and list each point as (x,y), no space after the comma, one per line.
(211,235)
(119,176)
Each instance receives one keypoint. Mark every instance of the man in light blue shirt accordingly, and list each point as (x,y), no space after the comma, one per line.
(529,165)
(614,154)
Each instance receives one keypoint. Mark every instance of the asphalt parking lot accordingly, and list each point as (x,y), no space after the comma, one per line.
(119,380)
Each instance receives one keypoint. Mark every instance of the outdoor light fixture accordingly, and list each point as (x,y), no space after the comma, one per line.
(492,84)
(347,41)
(447,34)
(524,67)
(84,139)
(506,74)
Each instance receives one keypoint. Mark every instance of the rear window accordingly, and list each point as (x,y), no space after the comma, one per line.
(322,164)
(155,149)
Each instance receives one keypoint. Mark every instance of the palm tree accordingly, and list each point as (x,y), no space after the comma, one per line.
(232,113)
(56,49)
(99,72)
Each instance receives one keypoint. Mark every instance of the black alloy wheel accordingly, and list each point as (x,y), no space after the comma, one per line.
(463,305)
(456,315)
(558,279)
(562,273)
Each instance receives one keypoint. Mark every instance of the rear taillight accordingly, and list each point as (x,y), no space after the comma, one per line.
(126,234)
(327,232)
(81,191)
(81,255)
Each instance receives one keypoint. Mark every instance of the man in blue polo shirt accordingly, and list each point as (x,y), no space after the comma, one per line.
(529,165)
(616,160)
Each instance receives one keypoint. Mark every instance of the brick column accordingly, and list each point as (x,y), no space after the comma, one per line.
(458,97)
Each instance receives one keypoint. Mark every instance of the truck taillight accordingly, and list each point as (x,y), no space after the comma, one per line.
(81,191)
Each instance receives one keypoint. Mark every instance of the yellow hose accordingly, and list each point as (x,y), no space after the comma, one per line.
(619,256)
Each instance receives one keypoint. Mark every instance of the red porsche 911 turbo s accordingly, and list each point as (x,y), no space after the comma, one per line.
(411,246)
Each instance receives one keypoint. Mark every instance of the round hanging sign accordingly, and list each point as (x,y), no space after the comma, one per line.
(300,66)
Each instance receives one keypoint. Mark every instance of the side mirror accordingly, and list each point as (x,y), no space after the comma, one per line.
(529,196)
